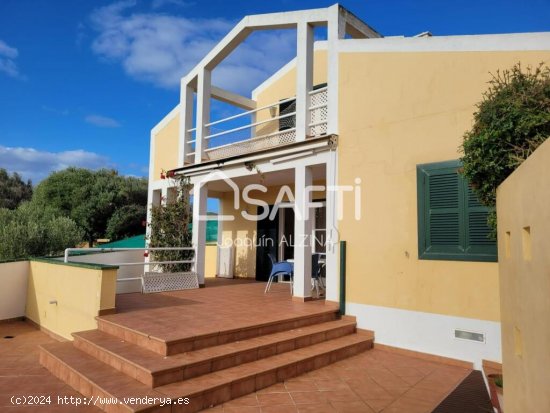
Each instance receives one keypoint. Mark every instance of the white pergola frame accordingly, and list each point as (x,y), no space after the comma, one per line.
(338,21)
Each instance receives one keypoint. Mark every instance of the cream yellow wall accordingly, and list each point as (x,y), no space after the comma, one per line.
(237,231)
(285,87)
(80,293)
(523,201)
(398,110)
(166,147)
(211,259)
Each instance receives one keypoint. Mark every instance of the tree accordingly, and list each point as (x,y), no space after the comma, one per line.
(90,198)
(169,227)
(511,121)
(13,191)
(31,231)
(126,221)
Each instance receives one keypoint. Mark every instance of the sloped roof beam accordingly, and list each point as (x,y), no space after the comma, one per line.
(356,27)
(233,98)
(242,30)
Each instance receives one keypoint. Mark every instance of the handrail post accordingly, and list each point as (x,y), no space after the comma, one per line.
(342,277)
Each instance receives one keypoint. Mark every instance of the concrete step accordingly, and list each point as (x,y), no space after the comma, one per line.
(190,342)
(155,370)
(95,379)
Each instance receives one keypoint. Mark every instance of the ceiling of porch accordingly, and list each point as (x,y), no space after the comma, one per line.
(282,177)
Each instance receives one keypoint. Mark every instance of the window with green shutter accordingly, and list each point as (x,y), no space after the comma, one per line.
(452,224)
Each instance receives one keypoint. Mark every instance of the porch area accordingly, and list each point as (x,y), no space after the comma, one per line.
(273,207)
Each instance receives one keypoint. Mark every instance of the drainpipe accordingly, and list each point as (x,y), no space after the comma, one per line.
(342,277)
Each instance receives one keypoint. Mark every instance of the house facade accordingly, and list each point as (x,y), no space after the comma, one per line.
(357,140)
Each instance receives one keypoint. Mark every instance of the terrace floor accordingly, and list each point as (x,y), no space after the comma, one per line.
(374,381)
(225,304)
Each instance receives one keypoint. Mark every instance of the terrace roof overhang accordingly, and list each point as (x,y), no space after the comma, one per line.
(309,146)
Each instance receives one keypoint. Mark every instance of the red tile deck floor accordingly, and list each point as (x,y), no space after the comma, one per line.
(222,305)
(373,381)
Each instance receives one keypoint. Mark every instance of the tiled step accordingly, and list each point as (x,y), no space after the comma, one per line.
(155,370)
(93,378)
(191,343)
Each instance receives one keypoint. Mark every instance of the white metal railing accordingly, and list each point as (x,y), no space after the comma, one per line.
(264,133)
(144,262)
(318,111)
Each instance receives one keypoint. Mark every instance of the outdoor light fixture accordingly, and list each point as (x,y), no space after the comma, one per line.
(273,111)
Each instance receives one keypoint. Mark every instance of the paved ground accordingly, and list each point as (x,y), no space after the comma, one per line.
(225,304)
(22,375)
(375,381)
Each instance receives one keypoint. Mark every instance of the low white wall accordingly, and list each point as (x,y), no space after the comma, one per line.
(14,278)
(429,333)
(122,287)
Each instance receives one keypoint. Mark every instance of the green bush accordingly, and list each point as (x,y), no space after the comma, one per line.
(169,227)
(126,221)
(511,121)
(33,231)
(91,198)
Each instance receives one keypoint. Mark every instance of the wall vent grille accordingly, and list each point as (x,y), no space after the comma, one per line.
(470,335)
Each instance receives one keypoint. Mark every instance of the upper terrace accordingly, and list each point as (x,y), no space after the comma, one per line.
(310,111)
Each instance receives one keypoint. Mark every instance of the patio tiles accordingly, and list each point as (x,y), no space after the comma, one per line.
(373,381)
(223,306)
(22,375)
(329,389)
(376,381)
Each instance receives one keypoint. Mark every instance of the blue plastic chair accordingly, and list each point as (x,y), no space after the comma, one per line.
(280,268)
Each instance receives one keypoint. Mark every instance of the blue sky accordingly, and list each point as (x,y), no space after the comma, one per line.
(83,82)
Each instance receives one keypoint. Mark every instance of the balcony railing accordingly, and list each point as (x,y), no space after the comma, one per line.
(269,126)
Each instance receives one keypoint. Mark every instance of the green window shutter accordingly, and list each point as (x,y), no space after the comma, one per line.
(452,224)
(478,240)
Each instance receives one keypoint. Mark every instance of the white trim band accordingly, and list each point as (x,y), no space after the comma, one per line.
(429,333)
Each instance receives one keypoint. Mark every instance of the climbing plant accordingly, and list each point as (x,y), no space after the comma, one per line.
(170,227)
(511,121)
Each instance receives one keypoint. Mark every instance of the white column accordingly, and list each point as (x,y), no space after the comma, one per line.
(150,192)
(332,243)
(200,197)
(164,193)
(203,112)
(336,30)
(304,78)
(303,225)
(186,121)
(153,199)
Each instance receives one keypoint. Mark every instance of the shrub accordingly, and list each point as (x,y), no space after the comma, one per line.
(126,221)
(32,231)
(169,227)
(511,121)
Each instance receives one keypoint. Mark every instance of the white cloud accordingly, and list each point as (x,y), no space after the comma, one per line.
(160,48)
(102,121)
(8,55)
(36,165)
(157,4)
